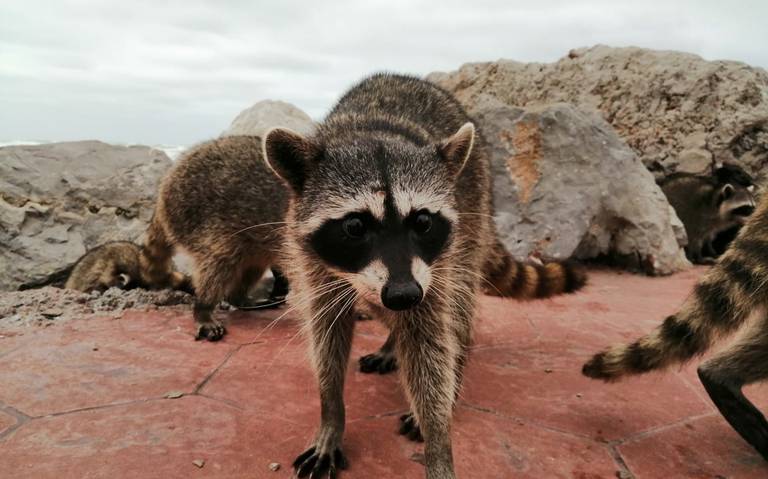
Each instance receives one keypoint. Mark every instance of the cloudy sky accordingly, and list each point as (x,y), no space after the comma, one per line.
(178,72)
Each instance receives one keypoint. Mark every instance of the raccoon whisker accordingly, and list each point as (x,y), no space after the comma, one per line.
(475,214)
(301,330)
(303,299)
(348,304)
(340,296)
(256,226)
(472,273)
(445,283)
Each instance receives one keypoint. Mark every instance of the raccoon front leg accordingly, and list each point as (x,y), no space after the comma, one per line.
(279,287)
(428,354)
(383,361)
(331,341)
(723,377)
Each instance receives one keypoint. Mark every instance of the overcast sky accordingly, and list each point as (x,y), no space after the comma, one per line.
(178,72)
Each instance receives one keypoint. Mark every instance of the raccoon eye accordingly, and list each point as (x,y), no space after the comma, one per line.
(354,227)
(422,223)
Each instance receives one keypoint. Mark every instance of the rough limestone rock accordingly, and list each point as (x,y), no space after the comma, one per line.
(677,111)
(266,114)
(566,184)
(58,200)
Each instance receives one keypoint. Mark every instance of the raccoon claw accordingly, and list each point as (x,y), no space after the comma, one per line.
(378,363)
(210,331)
(317,465)
(409,427)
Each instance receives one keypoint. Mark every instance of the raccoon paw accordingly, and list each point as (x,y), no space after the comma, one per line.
(409,427)
(318,464)
(212,331)
(378,362)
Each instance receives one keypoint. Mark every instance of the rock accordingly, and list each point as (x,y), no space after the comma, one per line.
(565,184)
(57,200)
(199,462)
(266,114)
(661,103)
(274,466)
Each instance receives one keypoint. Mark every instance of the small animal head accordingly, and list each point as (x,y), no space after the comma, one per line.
(375,211)
(735,202)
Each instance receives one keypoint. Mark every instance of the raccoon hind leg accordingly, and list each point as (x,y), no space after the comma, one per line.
(723,377)
(279,287)
(239,296)
(382,361)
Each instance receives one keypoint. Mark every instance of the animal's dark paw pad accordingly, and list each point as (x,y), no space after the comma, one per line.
(211,331)
(381,363)
(316,465)
(409,427)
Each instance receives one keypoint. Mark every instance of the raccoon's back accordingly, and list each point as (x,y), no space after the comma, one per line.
(219,187)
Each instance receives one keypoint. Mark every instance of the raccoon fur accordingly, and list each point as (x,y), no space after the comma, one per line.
(222,206)
(721,303)
(390,214)
(118,264)
(709,206)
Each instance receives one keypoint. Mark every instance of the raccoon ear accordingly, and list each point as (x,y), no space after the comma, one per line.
(726,192)
(288,155)
(455,150)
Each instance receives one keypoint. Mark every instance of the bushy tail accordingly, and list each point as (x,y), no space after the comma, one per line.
(721,302)
(156,255)
(510,278)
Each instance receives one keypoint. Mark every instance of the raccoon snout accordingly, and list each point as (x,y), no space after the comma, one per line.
(400,296)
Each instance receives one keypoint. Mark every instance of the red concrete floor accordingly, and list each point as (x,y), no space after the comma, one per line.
(137,397)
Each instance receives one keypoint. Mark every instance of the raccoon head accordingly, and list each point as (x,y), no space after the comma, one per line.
(375,211)
(735,202)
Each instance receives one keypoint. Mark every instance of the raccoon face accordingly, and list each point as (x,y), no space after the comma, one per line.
(736,202)
(376,212)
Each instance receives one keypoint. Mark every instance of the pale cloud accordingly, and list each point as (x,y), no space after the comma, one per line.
(177,72)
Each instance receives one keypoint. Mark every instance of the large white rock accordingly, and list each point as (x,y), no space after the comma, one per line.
(566,185)
(677,111)
(267,114)
(58,200)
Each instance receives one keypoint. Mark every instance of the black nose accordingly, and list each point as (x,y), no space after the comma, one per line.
(400,296)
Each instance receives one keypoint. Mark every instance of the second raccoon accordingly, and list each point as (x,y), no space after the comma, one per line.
(223,207)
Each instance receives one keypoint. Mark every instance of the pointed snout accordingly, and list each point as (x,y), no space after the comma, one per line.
(401,295)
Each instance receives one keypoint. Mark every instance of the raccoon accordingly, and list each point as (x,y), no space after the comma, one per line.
(223,206)
(709,206)
(728,295)
(118,264)
(391,214)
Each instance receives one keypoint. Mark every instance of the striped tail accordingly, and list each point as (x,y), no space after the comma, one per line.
(721,302)
(510,278)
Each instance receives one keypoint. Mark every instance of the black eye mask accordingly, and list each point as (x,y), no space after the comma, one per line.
(354,241)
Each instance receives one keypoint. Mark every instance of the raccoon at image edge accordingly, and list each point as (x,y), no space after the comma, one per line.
(119,264)
(730,293)
(710,206)
(391,214)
